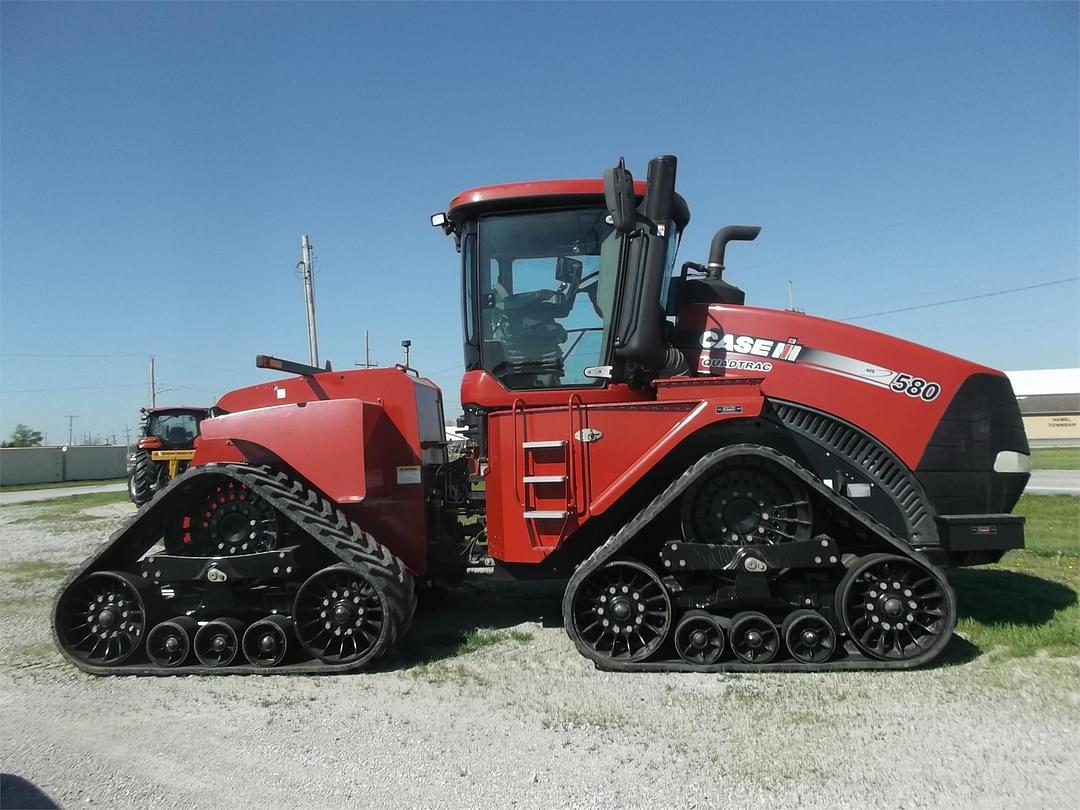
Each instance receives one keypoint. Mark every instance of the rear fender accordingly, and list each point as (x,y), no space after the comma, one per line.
(323,441)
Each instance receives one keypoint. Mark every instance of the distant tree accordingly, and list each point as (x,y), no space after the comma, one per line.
(24,437)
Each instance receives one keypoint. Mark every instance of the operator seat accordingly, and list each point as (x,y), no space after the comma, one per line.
(531,339)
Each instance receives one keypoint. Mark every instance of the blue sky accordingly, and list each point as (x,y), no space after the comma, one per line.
(159,162)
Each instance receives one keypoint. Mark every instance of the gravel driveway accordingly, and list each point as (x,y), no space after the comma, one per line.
(521,721)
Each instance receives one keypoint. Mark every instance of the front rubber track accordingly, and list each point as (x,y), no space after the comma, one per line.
(859,524)
(300,504)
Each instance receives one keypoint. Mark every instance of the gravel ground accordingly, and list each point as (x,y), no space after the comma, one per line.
(521,722)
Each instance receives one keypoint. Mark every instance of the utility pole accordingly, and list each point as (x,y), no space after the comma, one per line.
(71,421)
(367,353)
(791,298)
(309,295)
(153,385)
(127,435)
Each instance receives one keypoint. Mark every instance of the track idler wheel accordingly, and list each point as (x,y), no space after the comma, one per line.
(217,642)
(746,502)
(622,612)
(266,642)
(809,637)
(341,616)
(754,639)
(699,639)
(230,519)
(895,608)
(102,619)
(169,643)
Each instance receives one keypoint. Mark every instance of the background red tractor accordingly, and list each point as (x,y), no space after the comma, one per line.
(721,487)
(165,447)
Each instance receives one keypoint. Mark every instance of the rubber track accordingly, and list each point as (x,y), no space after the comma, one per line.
(858,520)
(309,511)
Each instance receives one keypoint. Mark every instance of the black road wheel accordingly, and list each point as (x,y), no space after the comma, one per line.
(102,618)
(217,642)
(895,608)
(266,642)
(341,616)
(168,644)
(143,481)
(231,519)
(809,637)
(699,639)
(622,611)
(753,638)
(747,503)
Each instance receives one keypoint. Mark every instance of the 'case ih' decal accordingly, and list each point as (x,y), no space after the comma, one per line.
(791,351)
(752,346)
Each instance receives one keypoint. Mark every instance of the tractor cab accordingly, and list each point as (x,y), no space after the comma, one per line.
(573,283)
(545,285)
(165,448)
(171,428)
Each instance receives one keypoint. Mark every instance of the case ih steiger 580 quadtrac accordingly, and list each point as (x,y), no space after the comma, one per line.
(725,487)
(166,447)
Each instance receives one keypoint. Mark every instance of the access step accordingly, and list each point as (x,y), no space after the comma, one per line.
(544,479)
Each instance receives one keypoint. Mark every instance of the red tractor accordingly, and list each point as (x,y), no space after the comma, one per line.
(166,446)
(723,487)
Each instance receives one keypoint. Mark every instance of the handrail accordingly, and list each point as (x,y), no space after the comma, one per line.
(518,447)
(571,505)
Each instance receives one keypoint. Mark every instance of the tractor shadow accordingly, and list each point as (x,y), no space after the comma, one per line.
(1002,598)
(446,628)
(484,603)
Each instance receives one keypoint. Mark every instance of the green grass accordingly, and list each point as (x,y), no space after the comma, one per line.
(442,663)
(1055,458)
(63,484)
(1029,603)
(64,511)
(24,571)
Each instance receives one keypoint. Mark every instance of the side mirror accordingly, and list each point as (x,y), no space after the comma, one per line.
(619,197)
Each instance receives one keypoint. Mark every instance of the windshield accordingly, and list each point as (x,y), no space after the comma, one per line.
(174,428)
(546,286)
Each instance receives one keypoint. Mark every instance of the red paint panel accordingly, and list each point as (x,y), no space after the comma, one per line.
(484,390)
(322,441)
(536,188)
(633,438)
(860,394)
(350,434)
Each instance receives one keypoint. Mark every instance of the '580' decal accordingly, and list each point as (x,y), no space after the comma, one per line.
(916,387)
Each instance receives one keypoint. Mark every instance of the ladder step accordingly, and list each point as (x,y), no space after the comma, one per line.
(544,479)
(544,444)
(545,515)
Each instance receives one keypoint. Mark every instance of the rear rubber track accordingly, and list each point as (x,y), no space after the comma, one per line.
(303,506)
(857,523)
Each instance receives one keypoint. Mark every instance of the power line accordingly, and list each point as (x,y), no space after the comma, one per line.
(965,298)
(73,354)
(74,388)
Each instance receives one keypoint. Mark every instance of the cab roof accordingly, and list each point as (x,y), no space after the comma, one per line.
(542,194)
